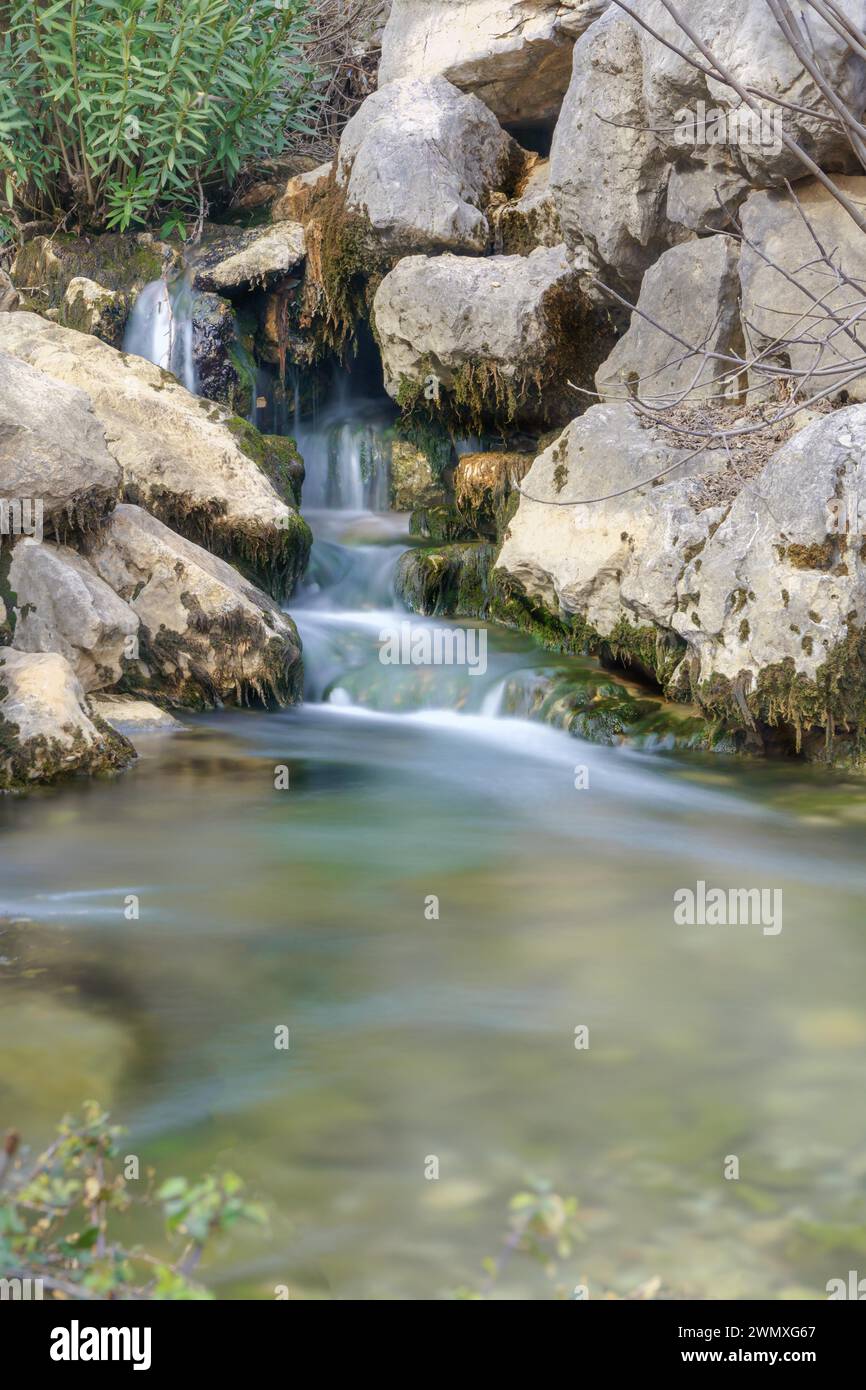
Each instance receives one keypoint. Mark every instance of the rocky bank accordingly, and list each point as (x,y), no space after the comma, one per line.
(600,327)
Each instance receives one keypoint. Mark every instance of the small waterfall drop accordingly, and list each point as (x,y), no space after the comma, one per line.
(347,457)
(160,328)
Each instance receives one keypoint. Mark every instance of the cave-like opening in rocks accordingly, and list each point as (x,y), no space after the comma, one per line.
(536,136)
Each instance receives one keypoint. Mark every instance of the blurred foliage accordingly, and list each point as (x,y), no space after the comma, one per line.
(60,1212)
(543,1227)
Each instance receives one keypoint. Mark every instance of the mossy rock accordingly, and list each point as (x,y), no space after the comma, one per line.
(448,581)
(441,525)
(121,262)
(276,455)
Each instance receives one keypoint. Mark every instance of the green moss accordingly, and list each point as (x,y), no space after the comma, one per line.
(832,703)
(339,264)
(818,556)
(449,581)
(8,597)
(442,525)
(123,263)
(595,706)
(275,454)
(744,630)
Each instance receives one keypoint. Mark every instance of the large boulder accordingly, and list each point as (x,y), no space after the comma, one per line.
(493,337)
(207,635)
(776,630)
(608,173)
(513,54)
(46,730)
(61,605)
(749,44)
(746,594)
(646,143)
(598,542)
(182,457)
(419,161)
(692,291)
(52,449)
(793,314)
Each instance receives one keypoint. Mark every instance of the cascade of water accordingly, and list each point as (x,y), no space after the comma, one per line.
(347,454)
(160,328)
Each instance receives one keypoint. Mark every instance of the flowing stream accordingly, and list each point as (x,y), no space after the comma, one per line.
(416,1034)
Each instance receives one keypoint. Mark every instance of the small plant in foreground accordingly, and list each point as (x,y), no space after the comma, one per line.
(59,1214)
(544,1227)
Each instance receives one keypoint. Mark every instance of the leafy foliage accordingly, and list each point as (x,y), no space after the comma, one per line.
(542,1226)
(114,111)
(59,1213)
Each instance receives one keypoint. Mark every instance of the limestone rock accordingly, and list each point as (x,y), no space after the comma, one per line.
(63,606)
(583,547)
(529,220)
(451,580)
(233,261)
(223,371)
(91,308)
(207,634)
(9,296)
(608,174)
(748,42)
(776,631)
(638,117)
(132,717)
(52,448)
(704,197)
(413,482)
(182,457)
(496,336)
(420,160)
(294,201)
(775,307)
(692,290)
(513,54)
(46,731)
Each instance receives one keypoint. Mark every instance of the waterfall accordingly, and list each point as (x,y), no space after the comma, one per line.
(347,453)
(160,328)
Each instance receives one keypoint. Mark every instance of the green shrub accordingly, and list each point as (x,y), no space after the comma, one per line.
(117,112)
